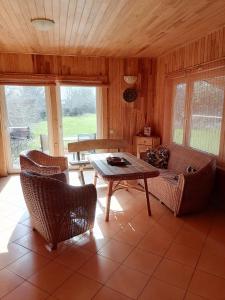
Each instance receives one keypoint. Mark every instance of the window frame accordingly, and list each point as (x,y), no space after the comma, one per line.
(189,78)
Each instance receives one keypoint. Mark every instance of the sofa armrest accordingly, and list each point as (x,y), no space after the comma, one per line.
(197,188)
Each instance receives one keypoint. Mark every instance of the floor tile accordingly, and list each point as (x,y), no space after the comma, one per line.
(190,238)
(91,242)
(8,282)
(155,243)
(108,229)
(174,273)
(15,233)
(10,253)
(129,235)
(183,254)
(74,257)
(212,259)
(98,268)
(28,264)
(108,294)
(142,224)
(191,296)
(208,286)
(142,261)
(77,287)
(36,243)
(116,250)
(200,223)
(158,290)
(170,224)
(26,291)
(127,281)
(50,277)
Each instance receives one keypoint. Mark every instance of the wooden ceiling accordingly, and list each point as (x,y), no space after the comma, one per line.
(107,27)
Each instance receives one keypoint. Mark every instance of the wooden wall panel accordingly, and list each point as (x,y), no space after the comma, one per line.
(199,53)
(124,120)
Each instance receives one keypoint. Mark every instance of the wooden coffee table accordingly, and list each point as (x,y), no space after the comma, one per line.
(117,177)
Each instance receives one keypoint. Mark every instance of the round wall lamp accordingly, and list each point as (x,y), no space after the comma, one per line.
(42,24)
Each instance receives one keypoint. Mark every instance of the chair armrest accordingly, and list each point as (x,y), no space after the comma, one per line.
(60,161)
(48,160)
(29,165)
(59,176)
(83,196)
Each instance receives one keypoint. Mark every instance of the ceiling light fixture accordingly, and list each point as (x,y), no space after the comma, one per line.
(42,24)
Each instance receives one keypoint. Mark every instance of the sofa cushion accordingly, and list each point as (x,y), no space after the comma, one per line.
(158,157)
(169,175)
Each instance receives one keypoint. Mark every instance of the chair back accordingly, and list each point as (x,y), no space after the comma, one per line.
(99,144)
(43,196)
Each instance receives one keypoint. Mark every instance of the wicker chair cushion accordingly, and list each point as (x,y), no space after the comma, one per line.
(158,157)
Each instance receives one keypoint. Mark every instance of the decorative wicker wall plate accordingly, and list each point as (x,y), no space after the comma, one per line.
(130,95)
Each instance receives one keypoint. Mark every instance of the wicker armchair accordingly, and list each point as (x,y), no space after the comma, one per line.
(41,163)
(58,211)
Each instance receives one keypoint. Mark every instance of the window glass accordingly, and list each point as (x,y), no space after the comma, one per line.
(178,115)
(206,114)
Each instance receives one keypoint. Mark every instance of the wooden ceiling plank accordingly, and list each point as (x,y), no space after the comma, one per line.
(78,15)
(97,22)
(8,21)
(94,15)
(108,20)
(48,10)
(70,21)
(64,7)
(83,22)
(22,8)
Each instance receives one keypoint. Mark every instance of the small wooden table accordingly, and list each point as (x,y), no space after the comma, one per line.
(116,176)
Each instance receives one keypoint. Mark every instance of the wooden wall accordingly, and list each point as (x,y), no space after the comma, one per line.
(123,120)
(201,52)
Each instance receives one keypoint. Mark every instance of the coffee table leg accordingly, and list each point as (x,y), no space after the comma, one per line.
(147,197)
(108,200)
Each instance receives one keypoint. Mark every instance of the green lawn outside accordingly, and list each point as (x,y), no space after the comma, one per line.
(203,139)
(71,127)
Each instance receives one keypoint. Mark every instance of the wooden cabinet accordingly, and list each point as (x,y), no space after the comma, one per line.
(143,143)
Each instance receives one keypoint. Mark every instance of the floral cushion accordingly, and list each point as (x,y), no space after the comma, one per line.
(158,157)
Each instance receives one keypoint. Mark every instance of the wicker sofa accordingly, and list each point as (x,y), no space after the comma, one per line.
(184,193)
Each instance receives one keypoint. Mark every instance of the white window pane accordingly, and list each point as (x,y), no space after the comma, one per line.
(178,115)
(206,114)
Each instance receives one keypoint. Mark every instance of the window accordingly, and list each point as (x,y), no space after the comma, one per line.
(79,120)
(26,120)
(198,112)
(178,114)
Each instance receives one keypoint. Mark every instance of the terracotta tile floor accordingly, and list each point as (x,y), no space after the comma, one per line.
(131,257)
